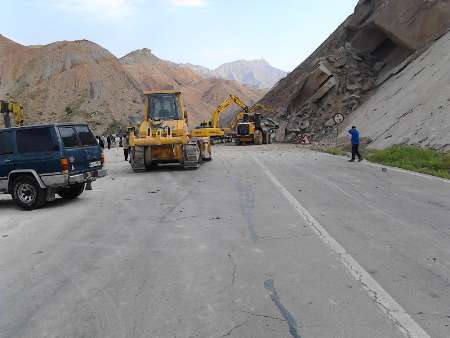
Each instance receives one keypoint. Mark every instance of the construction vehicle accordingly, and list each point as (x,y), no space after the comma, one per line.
(251,128)
(163,136)
(8,108)
(211,128)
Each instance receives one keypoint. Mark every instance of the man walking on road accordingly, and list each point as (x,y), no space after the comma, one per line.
(355,144)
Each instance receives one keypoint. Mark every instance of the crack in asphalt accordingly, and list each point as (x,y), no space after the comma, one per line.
(247,197)
(269,285)
(262,315)
(230,331)
(233,268)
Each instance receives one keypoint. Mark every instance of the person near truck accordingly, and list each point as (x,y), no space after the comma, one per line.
(355,144)
(108,140)
(126,146)
(100,142)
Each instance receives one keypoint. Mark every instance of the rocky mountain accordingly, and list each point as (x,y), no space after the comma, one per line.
(354,73)
(200,70)
(201,95)
(68,81)
(257,73)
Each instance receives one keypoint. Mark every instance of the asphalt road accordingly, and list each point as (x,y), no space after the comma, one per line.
(260,242)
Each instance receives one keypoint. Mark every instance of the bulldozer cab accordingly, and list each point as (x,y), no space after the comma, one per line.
(164,106)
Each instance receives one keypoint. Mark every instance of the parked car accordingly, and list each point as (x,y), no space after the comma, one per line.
(37,162)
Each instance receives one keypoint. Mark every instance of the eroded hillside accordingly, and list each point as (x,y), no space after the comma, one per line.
(68,81)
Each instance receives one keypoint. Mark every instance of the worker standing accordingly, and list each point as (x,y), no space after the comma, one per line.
(125,144)
(355,144)
(108,140)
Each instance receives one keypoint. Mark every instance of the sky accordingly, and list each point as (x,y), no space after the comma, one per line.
(203,32)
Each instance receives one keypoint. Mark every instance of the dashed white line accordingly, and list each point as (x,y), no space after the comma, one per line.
(375,291)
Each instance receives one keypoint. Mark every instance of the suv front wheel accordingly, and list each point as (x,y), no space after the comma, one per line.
(72,191)
(27,193)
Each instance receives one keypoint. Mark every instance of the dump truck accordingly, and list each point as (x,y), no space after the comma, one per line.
(163,135)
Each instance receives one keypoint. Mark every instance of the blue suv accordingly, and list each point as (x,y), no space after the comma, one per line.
(37,162)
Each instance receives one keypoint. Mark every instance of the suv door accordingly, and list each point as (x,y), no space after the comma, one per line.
(81,148)
(91,148)
(6,158)
(72,149)
(37,149)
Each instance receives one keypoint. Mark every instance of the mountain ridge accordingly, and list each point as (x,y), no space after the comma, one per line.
(258,72)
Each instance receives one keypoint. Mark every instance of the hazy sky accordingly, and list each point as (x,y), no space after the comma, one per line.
(205,32)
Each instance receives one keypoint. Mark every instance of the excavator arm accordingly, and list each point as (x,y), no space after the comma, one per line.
(224,106)
(14,108)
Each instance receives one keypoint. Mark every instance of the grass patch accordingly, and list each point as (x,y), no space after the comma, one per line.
(333,151)
(426,161)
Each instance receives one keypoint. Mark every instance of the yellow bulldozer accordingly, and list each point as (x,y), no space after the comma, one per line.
(8,108)
(211,128)
(163,136)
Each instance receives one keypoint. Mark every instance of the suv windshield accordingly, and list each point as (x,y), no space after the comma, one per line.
(163,107)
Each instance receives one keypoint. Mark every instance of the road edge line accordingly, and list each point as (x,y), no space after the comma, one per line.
(380,296)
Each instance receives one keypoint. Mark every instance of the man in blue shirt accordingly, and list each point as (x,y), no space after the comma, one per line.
(355,144)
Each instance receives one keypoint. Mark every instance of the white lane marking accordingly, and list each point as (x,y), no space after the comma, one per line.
(375,291)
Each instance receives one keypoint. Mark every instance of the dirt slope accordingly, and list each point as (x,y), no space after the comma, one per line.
(202,95)
(68,81)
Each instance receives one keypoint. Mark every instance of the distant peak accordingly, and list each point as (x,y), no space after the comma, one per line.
(143,55)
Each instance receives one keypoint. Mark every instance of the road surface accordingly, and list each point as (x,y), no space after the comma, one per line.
(261,242)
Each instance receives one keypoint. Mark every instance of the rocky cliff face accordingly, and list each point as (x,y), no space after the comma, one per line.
(413,106)
(68,81)
(378,41)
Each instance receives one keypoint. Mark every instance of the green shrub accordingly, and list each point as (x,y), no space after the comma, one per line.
(427,161)
(68,110)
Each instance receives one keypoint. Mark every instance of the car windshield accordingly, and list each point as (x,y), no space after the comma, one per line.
(163,107)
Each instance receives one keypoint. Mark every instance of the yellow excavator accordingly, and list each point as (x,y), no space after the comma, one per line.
(211,128)
(16,109)
(163,136)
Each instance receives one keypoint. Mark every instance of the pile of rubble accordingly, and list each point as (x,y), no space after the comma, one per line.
(337,85)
